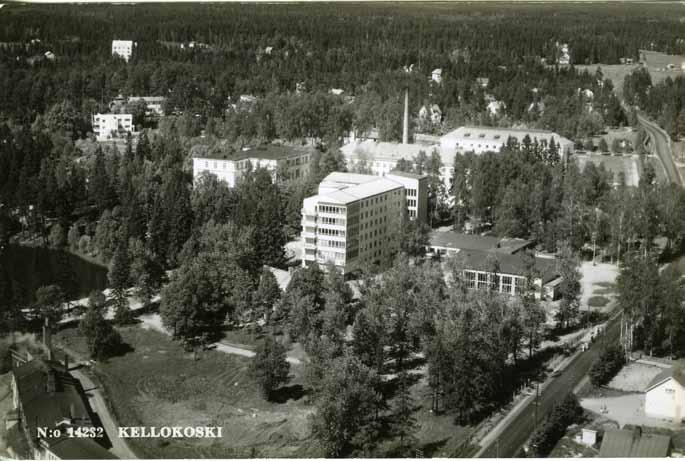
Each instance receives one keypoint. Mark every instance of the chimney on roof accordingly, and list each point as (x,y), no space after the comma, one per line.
(405,126)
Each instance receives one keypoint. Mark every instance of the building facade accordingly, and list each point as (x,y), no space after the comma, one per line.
(110,126)
(353,222)
(505,273)
(665,397)
(122,48)
(416,187)
(293,162)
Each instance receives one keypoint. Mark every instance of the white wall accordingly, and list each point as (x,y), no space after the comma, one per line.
(665,401)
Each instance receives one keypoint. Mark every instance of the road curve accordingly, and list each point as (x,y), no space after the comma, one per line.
(521,426)
(661,144)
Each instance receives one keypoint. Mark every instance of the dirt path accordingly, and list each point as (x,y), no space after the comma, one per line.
(97,402)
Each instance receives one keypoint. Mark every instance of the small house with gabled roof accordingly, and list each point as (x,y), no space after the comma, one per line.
(665,396)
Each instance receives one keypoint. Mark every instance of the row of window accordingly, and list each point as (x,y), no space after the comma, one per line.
(332,232)
(331,209)
(331,243)
(411,203)
(495,282)
(411,192)
(333,221)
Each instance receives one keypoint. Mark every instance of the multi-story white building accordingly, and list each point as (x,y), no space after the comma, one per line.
(484,139)
(111,126)
(416,187)
(123,48)
(380,158)
(354,221)
(291,161)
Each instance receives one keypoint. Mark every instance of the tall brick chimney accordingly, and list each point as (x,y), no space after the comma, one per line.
(405,126)
(47,341)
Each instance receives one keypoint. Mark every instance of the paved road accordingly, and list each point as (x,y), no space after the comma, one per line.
(97,402)
(661,144)
(521,426)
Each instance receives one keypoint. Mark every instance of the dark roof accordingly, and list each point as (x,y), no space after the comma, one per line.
(404,174)
(44,409)
(512,264)
(266,152)
(459,241)
(677,372)
(622,443)
(78,448)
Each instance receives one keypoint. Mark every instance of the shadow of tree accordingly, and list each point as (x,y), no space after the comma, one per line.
(283,394)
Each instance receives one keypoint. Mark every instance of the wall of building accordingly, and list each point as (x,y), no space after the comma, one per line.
(665,401)
(230,170)
(352,235)
(105,124)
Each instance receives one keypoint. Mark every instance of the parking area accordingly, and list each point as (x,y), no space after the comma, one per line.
(625,409)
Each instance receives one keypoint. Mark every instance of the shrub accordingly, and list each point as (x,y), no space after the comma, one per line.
(607,365)
(597,301)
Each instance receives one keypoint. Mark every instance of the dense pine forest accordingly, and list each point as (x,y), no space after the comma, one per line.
(202,246)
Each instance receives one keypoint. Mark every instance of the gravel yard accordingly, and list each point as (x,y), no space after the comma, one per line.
(634,377)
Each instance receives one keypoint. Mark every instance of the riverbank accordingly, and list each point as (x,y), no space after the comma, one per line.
(25,239)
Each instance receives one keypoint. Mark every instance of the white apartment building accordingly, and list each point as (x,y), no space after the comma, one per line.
(111,126)
(353,222)
(123,48)
(293,161)
(484,139)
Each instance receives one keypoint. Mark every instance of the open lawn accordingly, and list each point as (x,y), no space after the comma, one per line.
(626,164)
(159,384)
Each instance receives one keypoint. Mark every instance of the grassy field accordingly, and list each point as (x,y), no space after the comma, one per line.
(159,384)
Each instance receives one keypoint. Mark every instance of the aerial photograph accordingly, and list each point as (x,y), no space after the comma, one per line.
(342,230)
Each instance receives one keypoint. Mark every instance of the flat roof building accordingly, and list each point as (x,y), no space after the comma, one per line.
(355,219)
(482,139)
(292,161)
(122,48)
(506,273)
(451,242)
(112,126)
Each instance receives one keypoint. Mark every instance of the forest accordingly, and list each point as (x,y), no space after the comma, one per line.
(203,246)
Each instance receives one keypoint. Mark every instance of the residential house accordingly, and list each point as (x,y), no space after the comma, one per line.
(436,76)
(46,396)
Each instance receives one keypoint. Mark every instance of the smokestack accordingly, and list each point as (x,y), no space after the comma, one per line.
(405,128)
(47,342)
